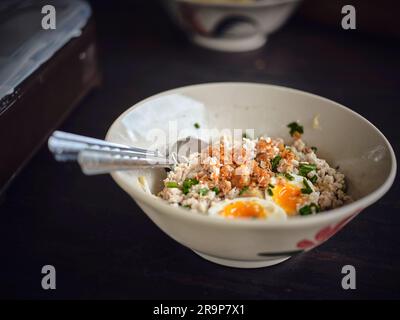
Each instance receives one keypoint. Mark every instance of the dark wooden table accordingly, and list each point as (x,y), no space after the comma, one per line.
(103,245)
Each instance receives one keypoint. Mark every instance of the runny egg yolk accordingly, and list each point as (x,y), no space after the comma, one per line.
(287,197)
(244,209)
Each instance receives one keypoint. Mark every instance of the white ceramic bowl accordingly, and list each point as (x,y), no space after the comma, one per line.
(230,26)
(344,138)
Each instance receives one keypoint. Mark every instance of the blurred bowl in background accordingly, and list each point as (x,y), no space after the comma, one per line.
(230,25)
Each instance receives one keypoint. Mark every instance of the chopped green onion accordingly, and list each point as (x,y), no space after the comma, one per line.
(203,191)
(244,189)
(306,210)
(315,149)
(187,184)
(271,185)
(306,168)
(275,162)
(196,125)
(186,206)
(289,176)
(172,184)
(307,189)
(215,189)
(314,179)
(295,127)
(269,191)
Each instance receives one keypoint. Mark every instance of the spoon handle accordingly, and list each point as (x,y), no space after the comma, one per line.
(66,146)
(99,161)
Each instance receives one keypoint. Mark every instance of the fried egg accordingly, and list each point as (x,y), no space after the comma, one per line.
(287,193)
(250,208)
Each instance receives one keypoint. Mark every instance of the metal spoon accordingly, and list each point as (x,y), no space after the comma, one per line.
(97,156)
(65,146)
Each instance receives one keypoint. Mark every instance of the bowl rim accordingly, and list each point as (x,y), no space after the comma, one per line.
(326,217)
(255,4)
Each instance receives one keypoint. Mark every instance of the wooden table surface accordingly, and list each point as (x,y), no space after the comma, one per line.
(103,245)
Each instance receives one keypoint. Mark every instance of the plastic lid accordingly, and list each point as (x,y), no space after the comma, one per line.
(25,45)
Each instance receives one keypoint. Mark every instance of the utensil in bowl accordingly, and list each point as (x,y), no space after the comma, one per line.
(97,156)
(65,145)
